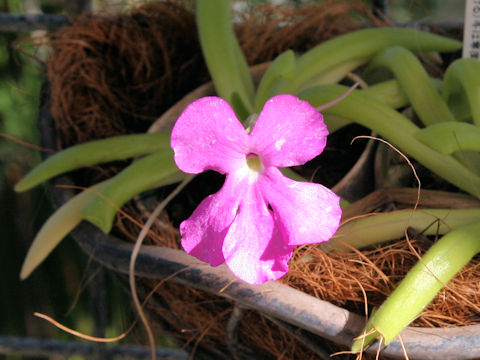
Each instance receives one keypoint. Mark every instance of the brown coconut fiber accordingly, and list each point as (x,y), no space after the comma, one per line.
(115,75)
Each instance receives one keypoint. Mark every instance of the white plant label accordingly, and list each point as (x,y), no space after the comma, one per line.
(471,31)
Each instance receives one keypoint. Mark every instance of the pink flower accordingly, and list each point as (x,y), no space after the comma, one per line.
(257,218)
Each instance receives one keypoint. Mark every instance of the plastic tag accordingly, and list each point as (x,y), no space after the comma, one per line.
(471,31)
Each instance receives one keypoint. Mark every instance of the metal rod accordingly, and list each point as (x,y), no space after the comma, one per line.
(27,346)
(29,22)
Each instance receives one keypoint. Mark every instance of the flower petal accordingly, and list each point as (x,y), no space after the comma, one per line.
(253,248)
(288,132)
(306,213)
(208,135)
(204,231)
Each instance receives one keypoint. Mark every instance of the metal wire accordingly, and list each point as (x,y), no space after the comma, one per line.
(27,346)
(30,22)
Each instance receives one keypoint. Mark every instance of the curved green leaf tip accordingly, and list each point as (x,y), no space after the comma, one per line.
(93,153)
(462,81)
(59,225)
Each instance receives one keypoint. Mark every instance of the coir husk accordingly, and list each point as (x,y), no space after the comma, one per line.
(115,75)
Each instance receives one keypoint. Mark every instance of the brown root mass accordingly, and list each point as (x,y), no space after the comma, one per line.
(116,75)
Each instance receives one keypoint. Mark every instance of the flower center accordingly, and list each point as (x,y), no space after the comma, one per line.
(254,163)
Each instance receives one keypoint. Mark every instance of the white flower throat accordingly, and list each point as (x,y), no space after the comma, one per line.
(255,167)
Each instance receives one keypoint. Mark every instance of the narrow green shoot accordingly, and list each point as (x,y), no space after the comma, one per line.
(437,267)
(140,176)
(93,153)
(59,225)
(223,55)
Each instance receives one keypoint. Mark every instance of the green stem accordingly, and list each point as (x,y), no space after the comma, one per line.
(436,268)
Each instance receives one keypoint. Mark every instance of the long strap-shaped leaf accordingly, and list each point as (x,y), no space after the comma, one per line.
(155,169)
(282,67)
(394,127)
(436,268)
(422,93)
(151,171)
(415,83)
(382,227)
(388,92)
(362,44)
(60,224)
(92,153)
(449,137)
(463,77)
(225,60)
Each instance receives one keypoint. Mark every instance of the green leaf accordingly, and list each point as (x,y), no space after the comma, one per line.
(92,153)
(223,55)
(378,228)
(436,268)
(462,81)
(335,73)
(422,93)
(240,108)
(449,137)
(144,174)
(60,224)
(388,92)
(282,67)
(415,83)
(361,44)
(395,128)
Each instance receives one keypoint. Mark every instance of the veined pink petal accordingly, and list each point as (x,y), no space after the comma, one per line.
(288,132)
(253,248)
(204,231)
(306,213)
(208,135)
